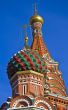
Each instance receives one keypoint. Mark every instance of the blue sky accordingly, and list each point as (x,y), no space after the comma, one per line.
(13,15)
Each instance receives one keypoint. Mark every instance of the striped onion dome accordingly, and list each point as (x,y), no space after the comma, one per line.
(26,60)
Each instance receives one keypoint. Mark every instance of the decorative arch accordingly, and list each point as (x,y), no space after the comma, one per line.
(42,102)
(21,101)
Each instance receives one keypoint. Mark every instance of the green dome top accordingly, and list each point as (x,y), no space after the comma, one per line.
(26,60)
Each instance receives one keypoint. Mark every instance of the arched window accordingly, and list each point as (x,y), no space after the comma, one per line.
(24,89)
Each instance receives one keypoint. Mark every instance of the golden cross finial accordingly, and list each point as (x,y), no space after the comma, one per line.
(25,29)
(35,8)
(25,36)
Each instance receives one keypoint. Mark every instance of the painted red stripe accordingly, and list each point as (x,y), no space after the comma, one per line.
(28,59)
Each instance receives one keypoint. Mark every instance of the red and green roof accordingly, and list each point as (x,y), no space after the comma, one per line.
(26,60)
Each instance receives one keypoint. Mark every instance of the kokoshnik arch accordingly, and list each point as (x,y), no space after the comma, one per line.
(34,76)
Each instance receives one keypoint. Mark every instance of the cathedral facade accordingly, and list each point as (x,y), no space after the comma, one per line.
(35,79)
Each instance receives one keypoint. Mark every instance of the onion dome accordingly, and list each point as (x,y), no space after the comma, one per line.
(26,60)
(36,18)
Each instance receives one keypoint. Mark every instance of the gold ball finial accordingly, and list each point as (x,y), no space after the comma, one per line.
(26,43)
(26,39)
(36,17)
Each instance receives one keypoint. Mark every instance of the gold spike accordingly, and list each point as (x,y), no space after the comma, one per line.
(25,37)
(25,29)
(35,8)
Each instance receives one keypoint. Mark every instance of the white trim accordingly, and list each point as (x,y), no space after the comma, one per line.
(22,108)
(50,78)
(56,95)
(13,77)
(42,101)
(28,71)
(19,100)
(24,89)
(26,83)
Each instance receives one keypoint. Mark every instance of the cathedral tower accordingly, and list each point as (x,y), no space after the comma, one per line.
(34,76)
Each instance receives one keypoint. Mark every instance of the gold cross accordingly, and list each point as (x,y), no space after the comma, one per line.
(35,8)
(25,29)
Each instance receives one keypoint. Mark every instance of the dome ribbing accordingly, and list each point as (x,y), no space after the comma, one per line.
(26,60)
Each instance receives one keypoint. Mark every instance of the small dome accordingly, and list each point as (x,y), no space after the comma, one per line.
(26,60)
(36,18)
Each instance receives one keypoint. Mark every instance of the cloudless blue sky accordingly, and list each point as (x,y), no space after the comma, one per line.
(13,15)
